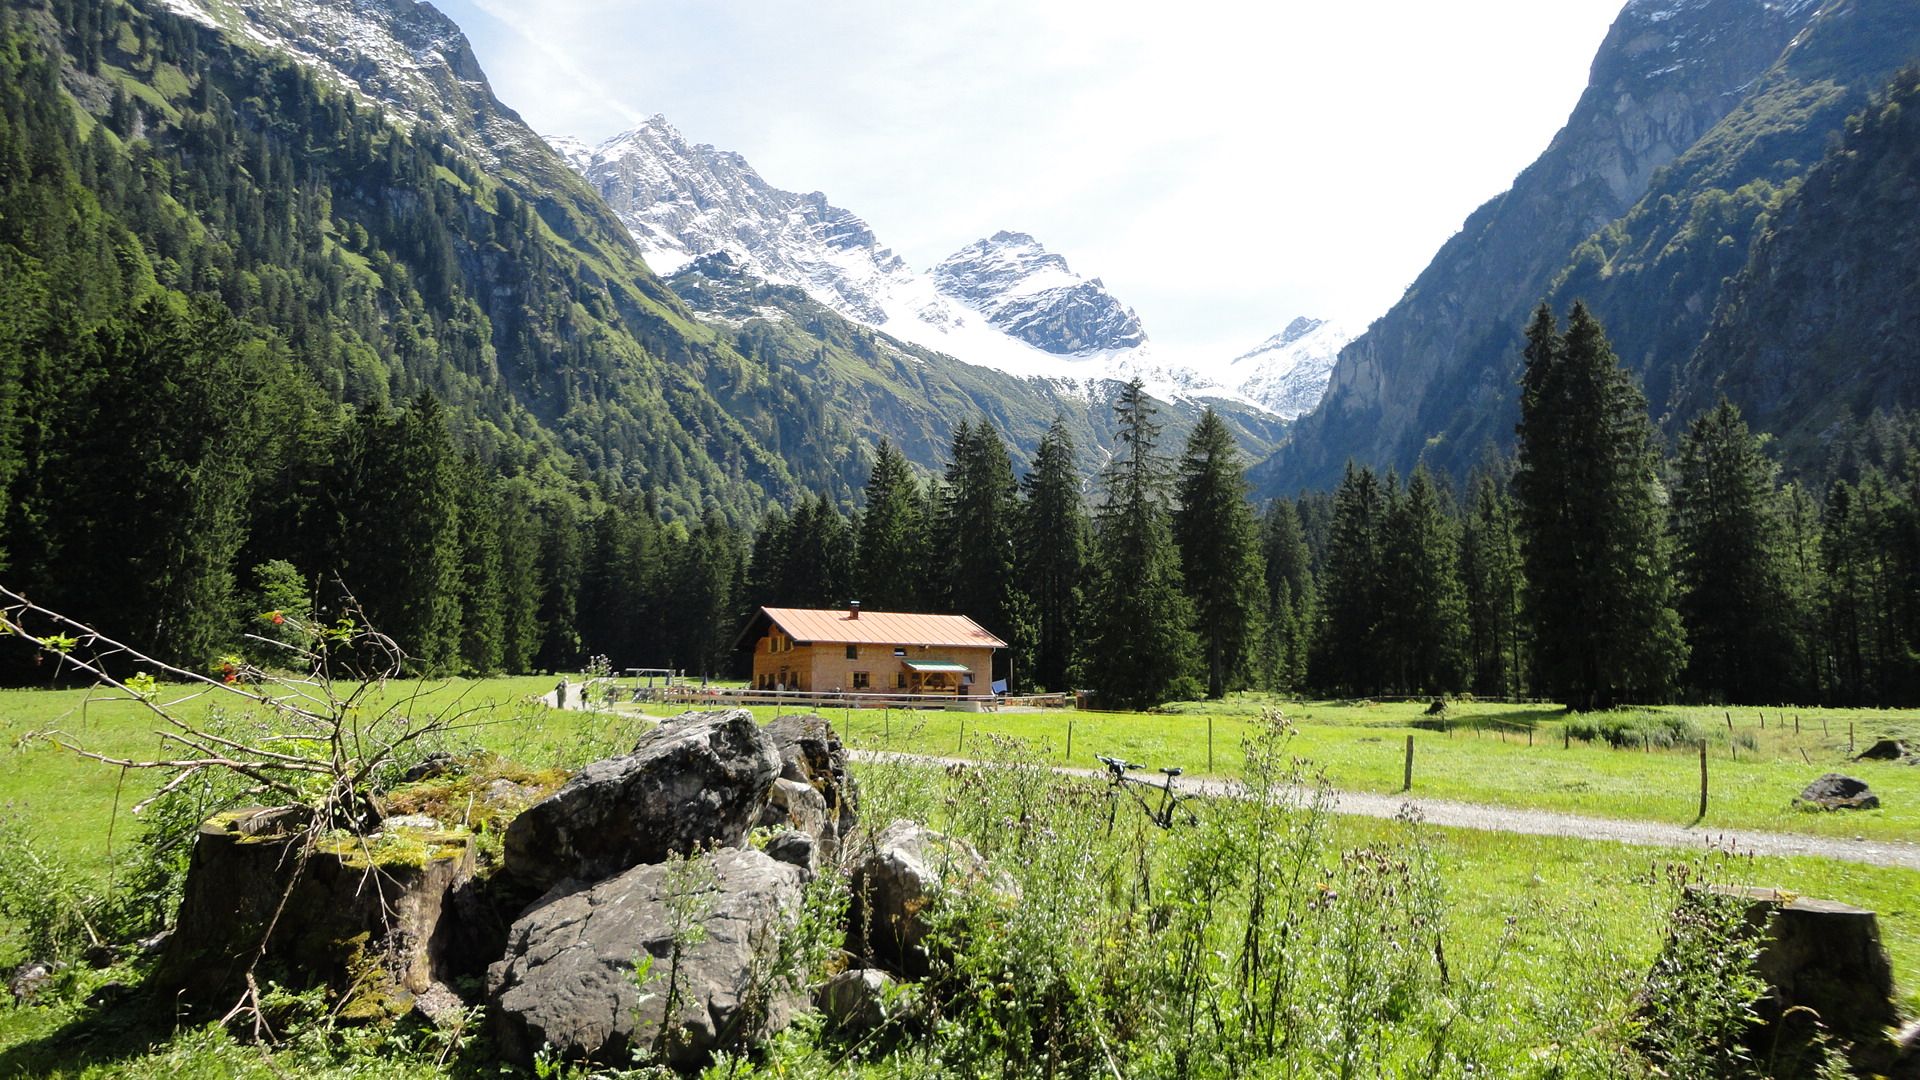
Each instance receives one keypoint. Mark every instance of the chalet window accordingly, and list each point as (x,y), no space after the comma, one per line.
(853,652)
(899,650)
(859,679)
(900,680)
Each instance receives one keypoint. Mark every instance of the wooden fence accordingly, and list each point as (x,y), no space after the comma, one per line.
(727,697)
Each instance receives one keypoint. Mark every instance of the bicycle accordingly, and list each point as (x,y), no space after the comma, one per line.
(1118,780)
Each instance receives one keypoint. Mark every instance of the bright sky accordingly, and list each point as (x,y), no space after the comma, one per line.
(1223,166)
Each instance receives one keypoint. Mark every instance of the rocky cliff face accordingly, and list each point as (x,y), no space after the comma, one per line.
(1668,71)
(404,55)
(1029,292)
(1823,324)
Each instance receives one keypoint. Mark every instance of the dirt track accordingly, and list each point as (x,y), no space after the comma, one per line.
(1461,815)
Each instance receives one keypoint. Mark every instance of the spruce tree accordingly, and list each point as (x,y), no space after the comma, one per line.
(1350,609)
(979,517)
(1139,647)
(891,558)
(704,590)
(1733,564)
(1423,606)
(1291,599)
(520,535)
(482,618)
(420,598)
(1491,573)
(1220,564)
(1592,523)
(1052,555)
(562,566)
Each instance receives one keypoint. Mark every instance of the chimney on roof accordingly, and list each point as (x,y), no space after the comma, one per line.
(853,609)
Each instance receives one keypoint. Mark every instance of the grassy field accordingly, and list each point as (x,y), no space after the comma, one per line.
(1516,906)
(1510,755)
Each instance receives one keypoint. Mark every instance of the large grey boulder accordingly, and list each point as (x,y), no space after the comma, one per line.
(812,754)
(698,779)
(1836,792)
(568,977)
(899,878)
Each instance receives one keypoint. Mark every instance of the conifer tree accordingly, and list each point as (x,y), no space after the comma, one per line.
(482,620)
(1139,647)
(1350,586)
(1290,597)
(1491,573)
(562,566)
(1220,564)
(520,630)
(1733,564)
(1592,523)
(891,561)
(817,557)
(1052,555)
(980,513)
(705,583)
(1423,606)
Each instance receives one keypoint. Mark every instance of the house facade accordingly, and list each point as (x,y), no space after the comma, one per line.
(869,652)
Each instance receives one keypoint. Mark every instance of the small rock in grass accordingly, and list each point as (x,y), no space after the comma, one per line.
(1884,750)
(855,1002)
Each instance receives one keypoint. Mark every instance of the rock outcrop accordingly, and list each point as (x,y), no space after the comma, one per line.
(711,926)
(698,779)
(812,754)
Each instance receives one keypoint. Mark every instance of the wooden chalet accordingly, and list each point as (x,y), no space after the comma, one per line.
(877,652)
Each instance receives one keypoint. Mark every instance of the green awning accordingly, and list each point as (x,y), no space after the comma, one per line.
(938,665)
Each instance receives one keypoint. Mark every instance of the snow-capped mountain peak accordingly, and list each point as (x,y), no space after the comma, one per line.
(1031,293)
(1003,302)
(682,200)
(1288,372)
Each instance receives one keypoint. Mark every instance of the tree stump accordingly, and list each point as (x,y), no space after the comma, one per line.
(1820,959)
(357,914)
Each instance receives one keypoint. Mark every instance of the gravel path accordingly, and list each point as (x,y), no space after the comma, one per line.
(1462,815)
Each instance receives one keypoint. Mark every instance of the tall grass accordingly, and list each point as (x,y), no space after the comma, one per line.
(1251,944)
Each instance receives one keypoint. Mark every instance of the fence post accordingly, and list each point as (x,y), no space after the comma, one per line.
(1796,723)
(1849,736)
(963,735)
(1566,737)
(1069,738)
(1703,778)
(1407,783)
(1729,721)
(1209,743)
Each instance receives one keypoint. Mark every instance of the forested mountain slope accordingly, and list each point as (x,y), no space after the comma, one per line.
(1700,119)
(1823,324)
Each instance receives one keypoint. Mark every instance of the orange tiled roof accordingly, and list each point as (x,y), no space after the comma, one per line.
(882,628)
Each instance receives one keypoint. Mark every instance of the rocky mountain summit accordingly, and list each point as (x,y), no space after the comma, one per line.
(1004,302)
(1030,293)
(683,200)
